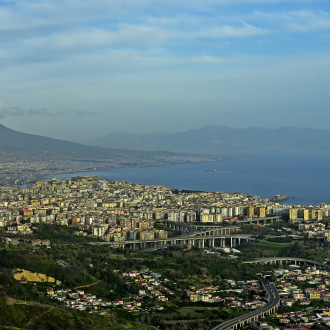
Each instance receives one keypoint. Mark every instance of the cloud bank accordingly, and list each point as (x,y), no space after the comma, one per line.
(146,65)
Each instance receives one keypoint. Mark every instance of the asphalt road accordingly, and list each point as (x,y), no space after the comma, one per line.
(274,299)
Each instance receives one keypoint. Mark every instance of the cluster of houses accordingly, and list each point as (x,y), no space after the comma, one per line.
(303,285)
(77,299)
(151,284)
(316,229)
(304,319)
(26,241)
(231,297)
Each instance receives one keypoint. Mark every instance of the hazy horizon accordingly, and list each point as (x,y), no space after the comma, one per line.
(88,139)
(75,71)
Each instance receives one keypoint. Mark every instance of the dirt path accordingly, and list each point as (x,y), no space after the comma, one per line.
(37,317)
(87,285)
(12,301)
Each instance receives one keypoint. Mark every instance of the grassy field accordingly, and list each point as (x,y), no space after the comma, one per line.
(266,249)
(274,245)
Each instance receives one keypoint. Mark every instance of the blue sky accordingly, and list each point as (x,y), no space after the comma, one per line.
(80,69)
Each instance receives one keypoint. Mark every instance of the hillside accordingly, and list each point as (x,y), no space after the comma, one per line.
(29,146)
(28,157)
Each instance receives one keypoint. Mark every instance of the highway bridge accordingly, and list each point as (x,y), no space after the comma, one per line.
(186,227)
(269,308)
(192,227)
(286,261)
(195,234)
(192,234)
(260,221)
(231,240)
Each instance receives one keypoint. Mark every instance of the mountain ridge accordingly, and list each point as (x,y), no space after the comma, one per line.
(212,139)
(28,157)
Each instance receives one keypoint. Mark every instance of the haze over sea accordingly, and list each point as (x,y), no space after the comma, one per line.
(304,177)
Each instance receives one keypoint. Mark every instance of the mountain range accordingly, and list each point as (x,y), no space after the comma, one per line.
(29,146)
(222,140)
(28,157)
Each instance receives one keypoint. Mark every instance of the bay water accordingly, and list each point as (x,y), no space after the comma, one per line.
(304,177)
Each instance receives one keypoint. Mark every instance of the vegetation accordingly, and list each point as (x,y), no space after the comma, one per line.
(29,315)
(262,249)
(77,263)
(309,249)
(60,234)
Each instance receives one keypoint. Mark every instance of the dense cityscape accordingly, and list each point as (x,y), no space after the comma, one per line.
(126,224)
(164,165)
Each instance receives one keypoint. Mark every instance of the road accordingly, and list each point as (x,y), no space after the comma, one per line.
(287,259)
(273,301)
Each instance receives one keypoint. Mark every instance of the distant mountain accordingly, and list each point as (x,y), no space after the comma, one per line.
(222,140)
(25,146)
(16,146)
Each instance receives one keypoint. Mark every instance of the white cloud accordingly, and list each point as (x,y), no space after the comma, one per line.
(164,54)
(205,59)
(307,21)
(137,35)
(294,21)
(226,31)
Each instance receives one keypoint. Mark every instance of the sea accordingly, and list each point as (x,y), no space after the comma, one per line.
(304,177)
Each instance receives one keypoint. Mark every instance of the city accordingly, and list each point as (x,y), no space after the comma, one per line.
(164,164)
(125,223)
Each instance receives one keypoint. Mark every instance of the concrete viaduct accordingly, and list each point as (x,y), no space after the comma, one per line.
(192,240)
(190,228)
(287,260)
(268,309)
(193,226)
(260,221)
(196,234)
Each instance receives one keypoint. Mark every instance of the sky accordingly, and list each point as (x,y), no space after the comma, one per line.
(76,70)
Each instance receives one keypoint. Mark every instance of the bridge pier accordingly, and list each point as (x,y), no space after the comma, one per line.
(232,242)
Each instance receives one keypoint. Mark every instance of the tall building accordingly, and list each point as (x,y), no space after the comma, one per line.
(262,212)
(250,211)
(306,214)
(293,214)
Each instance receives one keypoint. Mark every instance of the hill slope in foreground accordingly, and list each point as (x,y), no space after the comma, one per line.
(33,315)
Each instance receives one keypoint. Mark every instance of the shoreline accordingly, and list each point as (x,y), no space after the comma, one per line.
(294,177)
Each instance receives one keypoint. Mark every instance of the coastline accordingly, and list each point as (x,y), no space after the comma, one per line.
(294,178)
(303,178)
(17,173)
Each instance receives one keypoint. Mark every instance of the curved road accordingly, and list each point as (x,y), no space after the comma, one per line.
(273,301)
(279,259)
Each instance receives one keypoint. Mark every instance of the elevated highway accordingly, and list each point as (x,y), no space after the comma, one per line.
(192,234)
(286,260)
(193,227)
(269,308)
(199,241)
(260,221)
